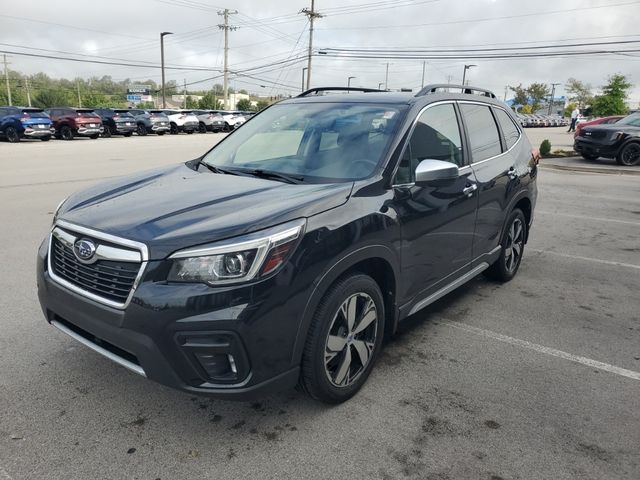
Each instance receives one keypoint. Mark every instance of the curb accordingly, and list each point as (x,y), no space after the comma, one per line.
(606,171)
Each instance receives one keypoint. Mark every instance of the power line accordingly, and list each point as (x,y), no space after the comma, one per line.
(487,19)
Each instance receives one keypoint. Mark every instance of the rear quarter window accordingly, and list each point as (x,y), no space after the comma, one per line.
(509,129)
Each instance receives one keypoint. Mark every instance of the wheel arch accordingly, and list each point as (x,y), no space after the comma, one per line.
(523,202)
(377,261)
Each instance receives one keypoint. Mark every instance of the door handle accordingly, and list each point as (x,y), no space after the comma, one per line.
(512,173)
(468,191)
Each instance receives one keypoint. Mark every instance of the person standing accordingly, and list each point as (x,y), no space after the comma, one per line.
(574,119)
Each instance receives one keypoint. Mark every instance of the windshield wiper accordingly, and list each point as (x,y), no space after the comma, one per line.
(285,177)
(215,169)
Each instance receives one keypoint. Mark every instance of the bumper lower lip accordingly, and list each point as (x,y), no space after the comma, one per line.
(45,132)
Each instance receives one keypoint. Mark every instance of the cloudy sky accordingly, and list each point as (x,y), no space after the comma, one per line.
(268,47)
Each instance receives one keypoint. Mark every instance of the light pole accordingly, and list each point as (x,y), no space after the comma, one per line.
(380,85)
(304,69)
(464,73)
(162,34)
(349,82)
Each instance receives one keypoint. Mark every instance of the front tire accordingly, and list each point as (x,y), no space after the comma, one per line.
(107,133)
(629,155)
(513,240)
(344,339)
(589,157)
(202,128)
(174,129)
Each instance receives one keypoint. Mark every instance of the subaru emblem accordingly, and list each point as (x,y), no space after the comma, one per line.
(84,249)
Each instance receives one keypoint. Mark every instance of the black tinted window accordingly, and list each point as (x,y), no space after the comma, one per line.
(509,129)
(436,136)
(482,131)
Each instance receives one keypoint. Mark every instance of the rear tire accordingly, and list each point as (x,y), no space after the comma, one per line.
(629,155)
(161,133)
(128,134)
(344,339)
(202,128)
(141,130)
(12,135)
(45,139)
(512,243)
(66,133)
(188,132)
(93,137)
(107,133)
(174,129)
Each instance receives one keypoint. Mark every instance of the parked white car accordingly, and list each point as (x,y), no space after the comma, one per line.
(182,121)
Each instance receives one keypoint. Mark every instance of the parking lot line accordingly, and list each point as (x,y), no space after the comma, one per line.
(587,259)
(584,217)
(546,350)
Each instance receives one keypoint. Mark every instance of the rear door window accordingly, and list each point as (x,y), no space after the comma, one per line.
(509,129)
(482,131)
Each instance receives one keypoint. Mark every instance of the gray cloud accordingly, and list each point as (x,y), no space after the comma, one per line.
(129,30)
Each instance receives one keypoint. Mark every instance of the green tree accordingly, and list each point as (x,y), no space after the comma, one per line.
(210,101)
(145,105)
(526,109)
(520,96)
(191,102)
(537,93)
(579,92)
(614,94)
(52,97)
(243,104)
(262,104)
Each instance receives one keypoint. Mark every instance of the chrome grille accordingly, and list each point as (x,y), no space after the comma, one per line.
(110,277)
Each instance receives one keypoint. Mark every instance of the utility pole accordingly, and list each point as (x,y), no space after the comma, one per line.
(506,89)
(6,78)
(424,67)
(386,78)
(312,14)
(26,84)
(162,35)
(226,27)
(79,99)
(464,73)
(303,70)
(184,93)
(553,93)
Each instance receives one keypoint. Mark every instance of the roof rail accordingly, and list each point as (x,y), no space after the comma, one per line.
(466,89)
(338,89)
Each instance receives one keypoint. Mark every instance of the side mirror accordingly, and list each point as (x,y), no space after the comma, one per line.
(429,171)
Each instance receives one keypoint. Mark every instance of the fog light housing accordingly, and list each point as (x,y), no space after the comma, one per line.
(217,365)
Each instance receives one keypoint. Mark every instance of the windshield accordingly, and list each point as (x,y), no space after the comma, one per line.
(321,142)
(633,120)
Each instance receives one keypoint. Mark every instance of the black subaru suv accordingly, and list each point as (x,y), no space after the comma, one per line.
(620,140)
(286,253)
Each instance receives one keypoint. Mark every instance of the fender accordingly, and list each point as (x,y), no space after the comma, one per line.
(329,276)
(524,193)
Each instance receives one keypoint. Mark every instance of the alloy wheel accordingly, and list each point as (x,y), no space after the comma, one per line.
(12,135)
(631,154)
(351,340)
(514,245)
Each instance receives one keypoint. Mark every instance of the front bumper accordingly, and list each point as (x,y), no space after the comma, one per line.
(590,147)
(166,330)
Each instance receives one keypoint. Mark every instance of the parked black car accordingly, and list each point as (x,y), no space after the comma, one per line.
(21,122)
(150,121)
(287,252)
(620,140)
(116,122)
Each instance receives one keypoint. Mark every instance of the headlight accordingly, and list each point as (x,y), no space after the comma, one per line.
(237,260)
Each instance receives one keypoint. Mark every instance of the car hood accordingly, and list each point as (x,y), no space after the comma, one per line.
(177,207)
(612,127)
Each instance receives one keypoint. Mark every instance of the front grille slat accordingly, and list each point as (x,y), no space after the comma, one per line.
(108,279)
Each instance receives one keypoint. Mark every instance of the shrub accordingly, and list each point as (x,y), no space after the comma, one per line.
(545,147)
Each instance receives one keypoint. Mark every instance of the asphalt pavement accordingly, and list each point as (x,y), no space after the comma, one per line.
(538,378)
